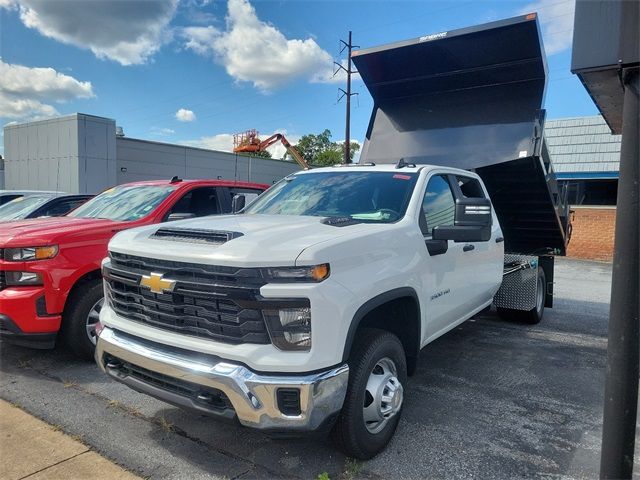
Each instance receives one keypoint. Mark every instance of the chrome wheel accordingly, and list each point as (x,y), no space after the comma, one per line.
(92,320)
(383,395)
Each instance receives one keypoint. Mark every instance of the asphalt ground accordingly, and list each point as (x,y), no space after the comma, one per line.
(491,399)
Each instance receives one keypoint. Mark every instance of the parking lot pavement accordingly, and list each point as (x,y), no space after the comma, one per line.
(33,450)
(491,399)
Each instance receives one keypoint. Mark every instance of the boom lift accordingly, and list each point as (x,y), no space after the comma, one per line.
(250,142)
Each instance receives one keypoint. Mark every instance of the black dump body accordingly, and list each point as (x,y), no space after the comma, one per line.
(472,99)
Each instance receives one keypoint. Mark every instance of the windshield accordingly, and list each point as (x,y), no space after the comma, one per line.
(21,207)
(125,203)
(377,197)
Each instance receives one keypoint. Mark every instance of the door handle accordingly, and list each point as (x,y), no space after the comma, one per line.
(499,239)
(468,248)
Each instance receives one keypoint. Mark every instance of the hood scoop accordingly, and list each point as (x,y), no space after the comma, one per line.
(340,221)
(192,235)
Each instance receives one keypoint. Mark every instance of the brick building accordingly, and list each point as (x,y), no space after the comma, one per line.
(586,159)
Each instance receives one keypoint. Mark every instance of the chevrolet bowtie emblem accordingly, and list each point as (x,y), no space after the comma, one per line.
(156,283)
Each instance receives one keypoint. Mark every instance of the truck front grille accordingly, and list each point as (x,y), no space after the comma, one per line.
(3,280)
(217,303)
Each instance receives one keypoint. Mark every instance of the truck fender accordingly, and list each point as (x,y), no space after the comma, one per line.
(411,350)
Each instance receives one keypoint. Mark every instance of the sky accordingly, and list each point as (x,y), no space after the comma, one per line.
(197,71)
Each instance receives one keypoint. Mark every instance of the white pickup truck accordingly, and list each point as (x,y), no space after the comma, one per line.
(308,309)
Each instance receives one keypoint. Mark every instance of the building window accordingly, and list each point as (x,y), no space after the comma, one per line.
(591,192)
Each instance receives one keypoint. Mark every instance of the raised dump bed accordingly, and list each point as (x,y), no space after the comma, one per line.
(472,98)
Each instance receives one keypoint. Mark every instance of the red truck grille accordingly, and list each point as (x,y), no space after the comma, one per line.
(204,302)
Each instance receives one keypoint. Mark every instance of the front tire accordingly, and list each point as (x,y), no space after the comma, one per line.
(373,404)
(80,318)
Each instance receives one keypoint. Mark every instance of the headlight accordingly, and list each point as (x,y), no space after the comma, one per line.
(290,328)
(315,273)
(27,254)
(18,279)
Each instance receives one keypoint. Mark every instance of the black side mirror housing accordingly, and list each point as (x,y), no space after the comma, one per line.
(472,222)
(238,203)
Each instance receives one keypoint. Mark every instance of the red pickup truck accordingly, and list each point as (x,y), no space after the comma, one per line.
(50,280)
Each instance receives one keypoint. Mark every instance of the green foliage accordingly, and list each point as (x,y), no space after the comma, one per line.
(319,150)
(323,476)
(262,154)
(352,469)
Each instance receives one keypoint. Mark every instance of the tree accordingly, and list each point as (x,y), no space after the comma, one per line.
(319,150)
(261,153)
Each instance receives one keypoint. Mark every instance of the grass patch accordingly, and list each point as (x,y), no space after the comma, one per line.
(351,469)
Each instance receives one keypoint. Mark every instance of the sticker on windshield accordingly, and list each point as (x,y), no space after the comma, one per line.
(402,177)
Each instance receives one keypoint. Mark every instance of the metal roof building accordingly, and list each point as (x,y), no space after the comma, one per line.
(82,153)
(586,157)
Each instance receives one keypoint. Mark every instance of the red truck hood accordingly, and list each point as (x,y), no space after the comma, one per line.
(45,231)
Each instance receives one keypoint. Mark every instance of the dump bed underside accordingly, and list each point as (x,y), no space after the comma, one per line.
(472,99)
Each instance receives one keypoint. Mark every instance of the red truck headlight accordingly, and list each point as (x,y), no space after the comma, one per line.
(27,254)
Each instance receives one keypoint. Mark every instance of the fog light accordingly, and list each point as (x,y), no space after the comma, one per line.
(290,328)
(17,279)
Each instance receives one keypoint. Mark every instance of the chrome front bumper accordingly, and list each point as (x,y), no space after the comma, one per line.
(175,376)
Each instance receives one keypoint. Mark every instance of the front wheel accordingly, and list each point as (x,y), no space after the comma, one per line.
(81,316)
(375,393)
(533,316)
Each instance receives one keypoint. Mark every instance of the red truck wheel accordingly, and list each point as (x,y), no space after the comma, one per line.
(80,316)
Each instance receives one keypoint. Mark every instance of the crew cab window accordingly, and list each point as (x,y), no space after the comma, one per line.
(199,201)
(438,205)
(470,187)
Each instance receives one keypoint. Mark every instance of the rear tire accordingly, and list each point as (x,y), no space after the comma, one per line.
(377,373)
(533,316)
(80,316)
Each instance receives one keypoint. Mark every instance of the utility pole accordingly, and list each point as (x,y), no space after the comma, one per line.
(621,389)
(347,93)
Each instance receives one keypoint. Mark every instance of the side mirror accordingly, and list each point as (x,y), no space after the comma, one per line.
(238,203)
(180,216)
(472,222)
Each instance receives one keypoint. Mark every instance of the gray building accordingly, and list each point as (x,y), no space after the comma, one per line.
(83,154)
(585,157)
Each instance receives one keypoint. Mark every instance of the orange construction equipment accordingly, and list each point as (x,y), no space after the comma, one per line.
(249,142)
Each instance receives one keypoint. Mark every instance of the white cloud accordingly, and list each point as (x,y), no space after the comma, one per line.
(24,91)
(127,32)
(184,115)
(255,51)
(200,39)
(556,19)
(161,132)
(224,142)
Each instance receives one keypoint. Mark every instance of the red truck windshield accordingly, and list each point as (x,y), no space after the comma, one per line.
(375,197)
(124,203)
